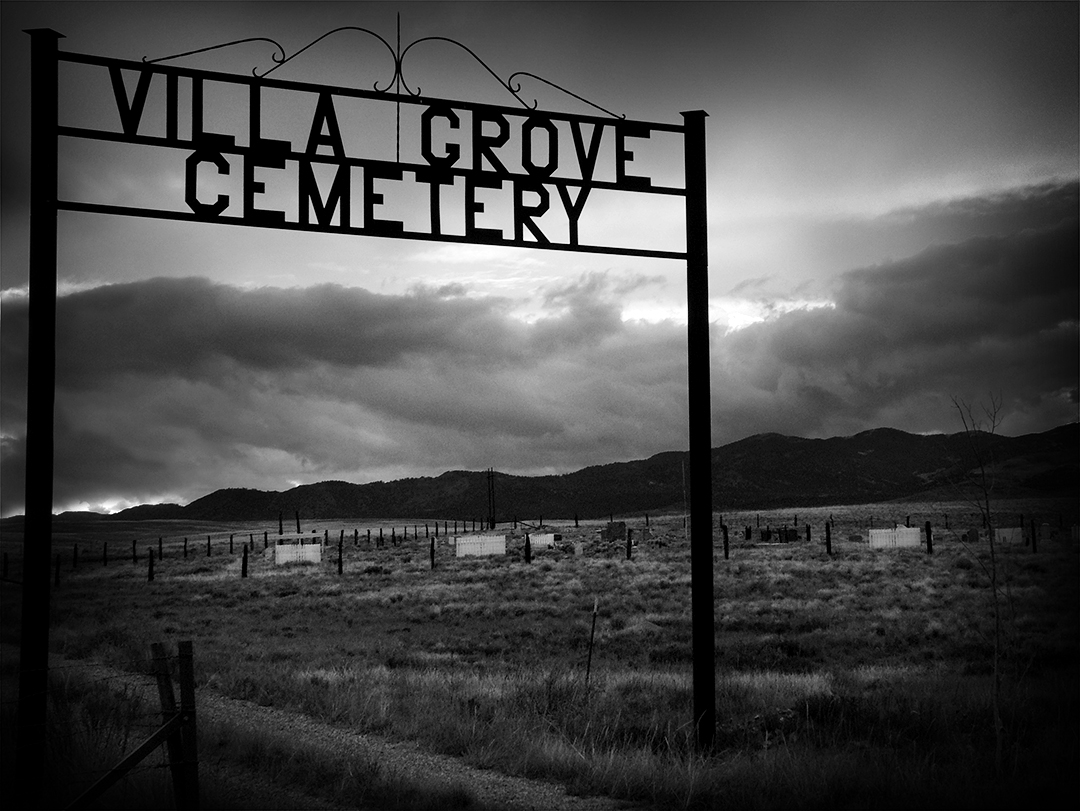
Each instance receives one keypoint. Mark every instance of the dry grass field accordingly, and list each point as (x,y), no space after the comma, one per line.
(857,680)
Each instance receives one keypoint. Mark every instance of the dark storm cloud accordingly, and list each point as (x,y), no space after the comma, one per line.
(179,386)
(990,314)
(198,329)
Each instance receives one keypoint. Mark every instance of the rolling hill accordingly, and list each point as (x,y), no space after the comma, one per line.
(759,472)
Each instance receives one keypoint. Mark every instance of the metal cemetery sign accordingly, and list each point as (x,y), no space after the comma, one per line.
(252,150)
(473,173)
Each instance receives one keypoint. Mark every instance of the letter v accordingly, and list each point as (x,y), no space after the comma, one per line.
(587,160)
(130,113)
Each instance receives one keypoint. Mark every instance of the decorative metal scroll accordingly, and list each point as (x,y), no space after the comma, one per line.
(398,55)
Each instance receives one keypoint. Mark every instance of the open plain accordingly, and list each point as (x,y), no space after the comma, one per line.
(860,679)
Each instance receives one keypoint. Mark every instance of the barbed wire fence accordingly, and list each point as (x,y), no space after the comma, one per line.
(118,734)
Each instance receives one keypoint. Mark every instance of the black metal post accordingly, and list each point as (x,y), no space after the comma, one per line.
(700,429)
(40,403)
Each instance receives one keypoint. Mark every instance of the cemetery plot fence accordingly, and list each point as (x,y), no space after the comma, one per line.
(297,553)
(895,538)
(480,546)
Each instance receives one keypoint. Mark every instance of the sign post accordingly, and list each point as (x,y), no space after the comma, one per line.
(700,429)
(40,401)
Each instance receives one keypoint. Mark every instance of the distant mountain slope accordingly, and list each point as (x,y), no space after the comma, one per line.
(766,470)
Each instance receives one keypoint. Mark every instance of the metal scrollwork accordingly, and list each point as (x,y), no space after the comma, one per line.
(280,60)
(398,55)
(559,88)
(471,53)
(375,86)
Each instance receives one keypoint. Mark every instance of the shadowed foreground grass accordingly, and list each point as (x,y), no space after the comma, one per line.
(92,725)
(861,680)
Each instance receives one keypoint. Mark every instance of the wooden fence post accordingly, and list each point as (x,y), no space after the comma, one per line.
(340,546)
(432,553)
(176,727)
(528,550)
(298,530)
(134,554)
(150,565)
(244,563)
(185,548)
(724,530)
(592,638)
(929,539)
(266,540)
(208,546)
(167,698)
(828,538)
(230,543)
(187,729)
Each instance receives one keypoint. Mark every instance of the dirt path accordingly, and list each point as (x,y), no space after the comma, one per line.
(248,789)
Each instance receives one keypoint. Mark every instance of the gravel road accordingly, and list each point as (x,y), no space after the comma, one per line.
(242,789)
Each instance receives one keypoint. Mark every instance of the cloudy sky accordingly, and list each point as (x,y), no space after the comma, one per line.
(893,221)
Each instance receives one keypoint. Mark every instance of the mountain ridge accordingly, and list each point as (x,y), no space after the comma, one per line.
(760,471)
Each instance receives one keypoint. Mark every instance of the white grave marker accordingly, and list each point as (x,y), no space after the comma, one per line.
(298,553)
(480,545)
(891,538)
